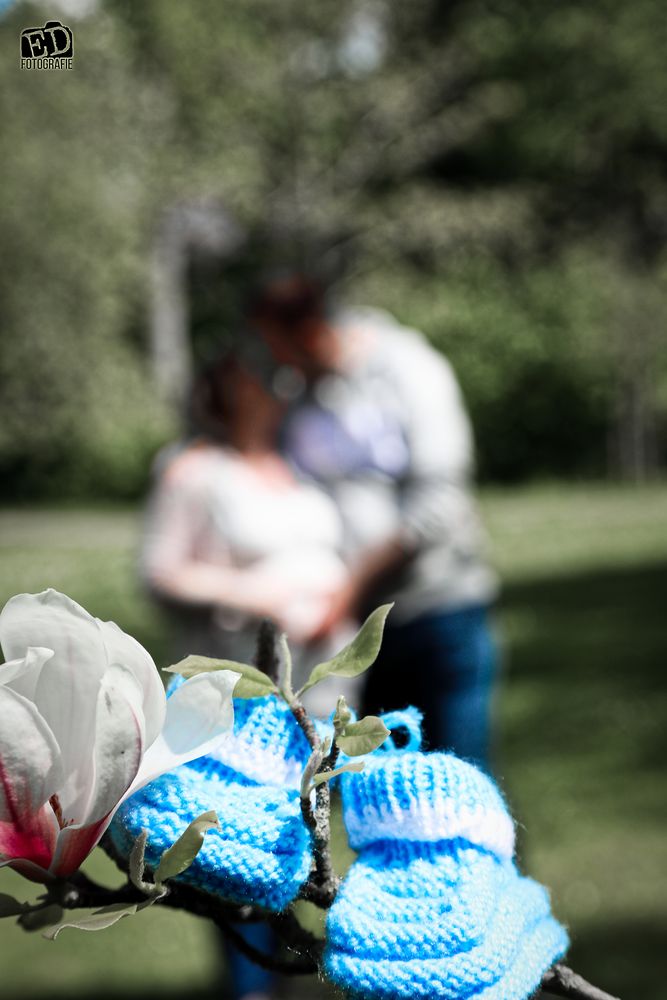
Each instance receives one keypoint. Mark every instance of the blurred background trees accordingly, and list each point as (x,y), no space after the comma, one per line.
(492,172)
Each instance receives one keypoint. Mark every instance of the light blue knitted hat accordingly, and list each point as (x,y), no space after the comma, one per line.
(434,907)
(262,853)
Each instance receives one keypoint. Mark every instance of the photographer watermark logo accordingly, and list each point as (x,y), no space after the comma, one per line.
(49,47)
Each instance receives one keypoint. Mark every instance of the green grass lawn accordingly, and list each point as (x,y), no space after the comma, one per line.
(582,737)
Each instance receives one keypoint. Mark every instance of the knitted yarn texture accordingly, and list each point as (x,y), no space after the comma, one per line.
(262,853)
(434,907)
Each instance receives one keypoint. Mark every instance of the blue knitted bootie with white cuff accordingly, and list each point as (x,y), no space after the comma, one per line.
(434,907)
(262,852)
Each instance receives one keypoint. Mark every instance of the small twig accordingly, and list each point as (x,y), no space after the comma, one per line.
(313,818)
(563,982)
(301,715)
(323,884)
(316,820)
(320,896)
(325,875)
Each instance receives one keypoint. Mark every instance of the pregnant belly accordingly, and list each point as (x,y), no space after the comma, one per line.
(307,578)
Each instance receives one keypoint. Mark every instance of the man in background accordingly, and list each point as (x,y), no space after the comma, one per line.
(378,420)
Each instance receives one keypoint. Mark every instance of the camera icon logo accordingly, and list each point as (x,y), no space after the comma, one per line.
(54,41)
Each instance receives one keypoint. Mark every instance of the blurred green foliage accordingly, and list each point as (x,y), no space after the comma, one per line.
(491,172)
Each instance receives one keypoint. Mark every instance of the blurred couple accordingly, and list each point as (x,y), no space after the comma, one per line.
(328,471)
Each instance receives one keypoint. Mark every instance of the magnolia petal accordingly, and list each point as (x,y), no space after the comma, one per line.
(122,648)
(33,842)
(30,773)
(29,869)
(22,675)
(123,680)
(66,691)
(199,715)
(74,846)
(118,746)
(30,761)
(48,619)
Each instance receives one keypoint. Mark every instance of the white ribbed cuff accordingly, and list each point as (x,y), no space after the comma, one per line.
(259,763)
(426,822)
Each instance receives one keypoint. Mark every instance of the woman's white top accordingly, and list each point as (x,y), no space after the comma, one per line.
(212,506)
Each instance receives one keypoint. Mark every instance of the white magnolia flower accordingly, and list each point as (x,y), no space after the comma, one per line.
(84,723)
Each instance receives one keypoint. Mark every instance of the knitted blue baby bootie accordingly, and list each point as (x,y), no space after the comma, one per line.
(434,907)
(262,853)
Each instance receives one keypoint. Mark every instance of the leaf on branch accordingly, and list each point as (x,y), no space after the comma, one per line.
(362,737)
(342,716)
(95,919)
(10,907)
(358,655)
(180,855)
(136,865)
(252,683)
(250,687)
(286,667)
(356,765)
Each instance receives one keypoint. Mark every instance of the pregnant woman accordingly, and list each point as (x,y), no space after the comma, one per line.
(232,536)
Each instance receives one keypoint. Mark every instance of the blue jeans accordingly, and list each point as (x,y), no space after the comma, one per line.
(245,976)
(445,663)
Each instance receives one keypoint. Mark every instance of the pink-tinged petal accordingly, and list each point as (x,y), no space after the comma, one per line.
(119,736)
(74,846)
(66,691)
(122,648)
(199,716)
(22,675)
(29,870)
(30,773)
(32,841)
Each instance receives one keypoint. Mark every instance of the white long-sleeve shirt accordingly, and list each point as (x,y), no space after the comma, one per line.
(220,536)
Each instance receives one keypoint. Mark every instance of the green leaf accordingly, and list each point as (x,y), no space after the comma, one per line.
(248,687)
(354,765)
(358,655)
(136,860)
(286,657)
(253,683)
(95,919)
(362,737)
(10,907)
(342,716)
(136,869)
(180,855)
